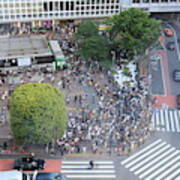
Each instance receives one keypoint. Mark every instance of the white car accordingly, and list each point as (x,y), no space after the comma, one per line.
(13,175)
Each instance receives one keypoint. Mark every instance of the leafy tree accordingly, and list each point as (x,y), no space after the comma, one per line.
(94,47)
(133,31)
(87,29)
(37,113)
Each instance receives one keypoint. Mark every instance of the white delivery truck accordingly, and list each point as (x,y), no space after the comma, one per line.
(13,175)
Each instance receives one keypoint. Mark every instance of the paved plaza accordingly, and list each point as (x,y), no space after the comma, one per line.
(127,132)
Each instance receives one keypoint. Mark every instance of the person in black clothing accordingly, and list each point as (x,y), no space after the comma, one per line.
(91,164)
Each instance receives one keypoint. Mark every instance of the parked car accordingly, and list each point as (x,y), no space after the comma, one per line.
(170,46)
(168,32)
(29,163)
(178,101)
(176,75)
(48,176)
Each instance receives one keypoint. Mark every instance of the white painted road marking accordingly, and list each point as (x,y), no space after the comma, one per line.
(166,120)
(158,161)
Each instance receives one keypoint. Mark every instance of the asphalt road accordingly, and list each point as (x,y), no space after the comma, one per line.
(172,139)
(173,62)
(157,87)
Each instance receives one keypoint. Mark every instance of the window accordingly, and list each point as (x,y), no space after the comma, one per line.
(45,6)
(61,5)
(136,1)
(145,1)
(72,6)
(50,6)
(67,6)
(12,17)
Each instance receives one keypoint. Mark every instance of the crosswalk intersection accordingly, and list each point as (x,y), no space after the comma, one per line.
(166,120)
(157,161)
(76,170)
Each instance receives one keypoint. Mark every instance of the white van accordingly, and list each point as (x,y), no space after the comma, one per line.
(13,175)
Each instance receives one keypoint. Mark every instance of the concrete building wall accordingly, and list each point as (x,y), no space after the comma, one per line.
(40,10)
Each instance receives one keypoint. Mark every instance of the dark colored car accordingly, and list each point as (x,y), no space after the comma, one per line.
(178,101)
(49,176)
(176,75)
(29,163)
(170,46)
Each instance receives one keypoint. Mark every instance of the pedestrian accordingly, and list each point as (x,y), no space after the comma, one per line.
(91,164)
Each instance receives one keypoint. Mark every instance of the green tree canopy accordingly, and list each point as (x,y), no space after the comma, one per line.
(87,29)
(94,47)
(37,113)
(133,31)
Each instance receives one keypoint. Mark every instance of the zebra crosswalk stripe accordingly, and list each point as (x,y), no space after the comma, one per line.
(149,158)
(176,121)
(145,154)
(179,120)
(163,122)
(162,168)
(157,121)
(153,120)
(166,120)
(171,169)
(158,165)
(140,152)
(177,178)
(154,161)
(160,162)
(79,170)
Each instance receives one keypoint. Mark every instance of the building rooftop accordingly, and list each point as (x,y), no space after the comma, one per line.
(23,46)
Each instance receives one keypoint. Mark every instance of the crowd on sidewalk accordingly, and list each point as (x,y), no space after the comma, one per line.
(102,115)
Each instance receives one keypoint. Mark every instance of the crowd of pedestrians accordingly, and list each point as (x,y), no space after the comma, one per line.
(102,115)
